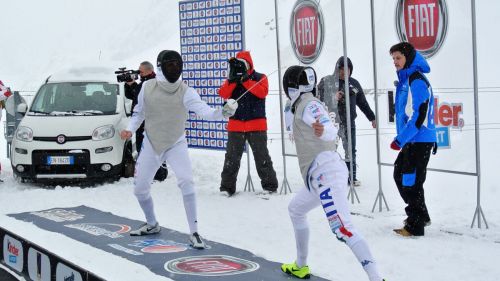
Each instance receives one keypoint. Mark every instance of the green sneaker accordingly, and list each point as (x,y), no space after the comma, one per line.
(293,269)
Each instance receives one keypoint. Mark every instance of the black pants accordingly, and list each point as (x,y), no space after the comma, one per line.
(345,144)
(410,170)
(263,163)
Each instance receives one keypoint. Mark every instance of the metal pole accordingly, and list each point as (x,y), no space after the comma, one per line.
(352,191)
(249,182)
(479,212)
(285,186)
(380,194)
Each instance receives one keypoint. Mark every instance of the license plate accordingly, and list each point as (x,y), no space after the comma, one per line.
(60,160)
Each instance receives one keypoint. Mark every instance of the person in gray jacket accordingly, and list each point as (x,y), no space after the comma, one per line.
(331,92)
(164,103)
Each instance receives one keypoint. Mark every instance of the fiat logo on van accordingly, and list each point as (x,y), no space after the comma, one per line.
(307,30)
(61,139)
(423,23)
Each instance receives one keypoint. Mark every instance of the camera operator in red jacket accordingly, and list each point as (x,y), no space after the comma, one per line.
(247,124)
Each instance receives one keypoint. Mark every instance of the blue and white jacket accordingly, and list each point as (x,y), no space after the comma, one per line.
(414,104)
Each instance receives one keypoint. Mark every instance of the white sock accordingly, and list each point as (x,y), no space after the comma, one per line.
(148,209)
(190,207)
(302,243)
(364,256)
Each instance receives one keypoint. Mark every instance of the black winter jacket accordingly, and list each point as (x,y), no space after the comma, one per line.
(132,91)
(356,97)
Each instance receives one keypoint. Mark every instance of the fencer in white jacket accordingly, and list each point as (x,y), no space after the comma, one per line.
(164,103)
(324,173)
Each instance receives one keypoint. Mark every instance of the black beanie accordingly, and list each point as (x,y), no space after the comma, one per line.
(407,50)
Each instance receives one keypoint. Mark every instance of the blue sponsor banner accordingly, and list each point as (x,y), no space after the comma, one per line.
(211,31)
(443,137)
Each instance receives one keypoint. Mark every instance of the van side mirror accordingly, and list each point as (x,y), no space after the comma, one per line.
(22,108)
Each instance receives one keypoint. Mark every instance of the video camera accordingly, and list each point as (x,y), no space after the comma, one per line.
(125,75)
(237,70)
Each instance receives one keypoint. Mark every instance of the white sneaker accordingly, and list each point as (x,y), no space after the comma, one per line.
(357,183)
(196,242)
(146,229)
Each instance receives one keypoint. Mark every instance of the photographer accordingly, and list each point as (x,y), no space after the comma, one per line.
(248,123)
(356,97)
(132,90)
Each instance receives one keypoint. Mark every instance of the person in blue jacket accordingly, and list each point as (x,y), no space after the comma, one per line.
(416,135)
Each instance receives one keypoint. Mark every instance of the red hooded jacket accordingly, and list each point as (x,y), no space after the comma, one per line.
(251,113)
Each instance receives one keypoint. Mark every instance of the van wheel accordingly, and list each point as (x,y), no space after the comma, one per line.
(128,163)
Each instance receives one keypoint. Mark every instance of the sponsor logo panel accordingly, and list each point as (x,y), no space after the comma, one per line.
(110,230)
(125,250)
(13,253)
(211,265)
(307,30)
(59,215)
(423,23)
(159,246)
(38,265)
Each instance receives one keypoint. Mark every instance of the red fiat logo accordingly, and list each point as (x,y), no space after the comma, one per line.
(306,30)
(423,23)
(210,265)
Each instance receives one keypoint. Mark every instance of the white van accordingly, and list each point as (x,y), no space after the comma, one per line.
(72,129)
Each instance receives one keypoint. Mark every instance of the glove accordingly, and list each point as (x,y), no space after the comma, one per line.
(395,145)
(229,109)
(244,77)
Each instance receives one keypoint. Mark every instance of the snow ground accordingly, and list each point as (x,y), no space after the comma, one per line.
(263,226)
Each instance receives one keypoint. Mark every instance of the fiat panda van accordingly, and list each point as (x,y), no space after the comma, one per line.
(71,129)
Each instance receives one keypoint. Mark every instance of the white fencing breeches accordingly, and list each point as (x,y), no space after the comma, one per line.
(178,160)
(328,188)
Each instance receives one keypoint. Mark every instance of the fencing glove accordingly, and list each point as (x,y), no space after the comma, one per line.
(229,109)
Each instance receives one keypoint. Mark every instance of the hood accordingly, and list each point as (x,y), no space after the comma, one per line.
(340,63)
(247,57)
(419,63)
(51,126)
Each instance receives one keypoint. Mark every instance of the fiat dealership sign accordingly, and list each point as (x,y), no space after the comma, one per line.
(423,23)
(306,30)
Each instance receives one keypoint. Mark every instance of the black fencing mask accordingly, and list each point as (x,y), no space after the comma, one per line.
(170,63)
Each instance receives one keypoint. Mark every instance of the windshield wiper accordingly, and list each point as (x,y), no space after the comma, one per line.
(88,112)
(38,112)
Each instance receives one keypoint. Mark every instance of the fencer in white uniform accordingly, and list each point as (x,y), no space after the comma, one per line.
(164,103)
(324,173)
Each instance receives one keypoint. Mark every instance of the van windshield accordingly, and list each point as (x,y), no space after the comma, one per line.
(75,98)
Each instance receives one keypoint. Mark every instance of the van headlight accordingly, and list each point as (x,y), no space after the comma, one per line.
(103,133)
(24,134)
